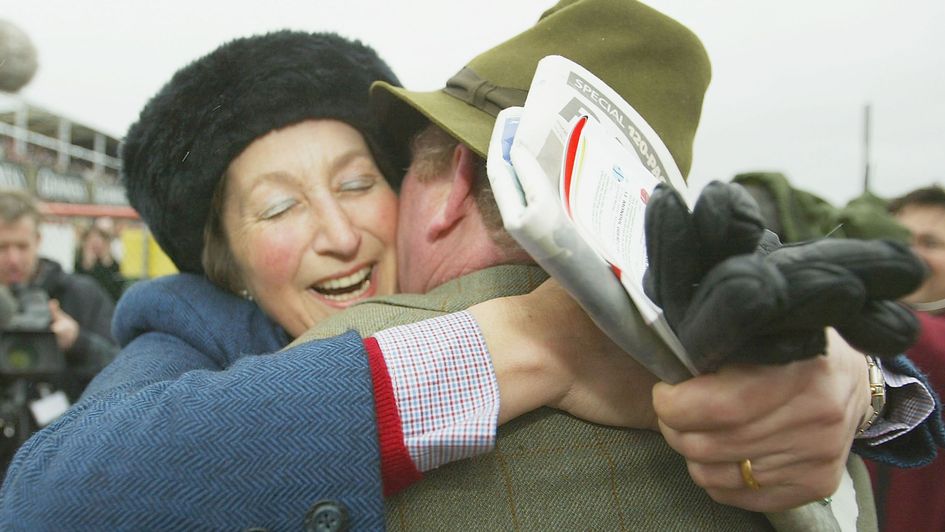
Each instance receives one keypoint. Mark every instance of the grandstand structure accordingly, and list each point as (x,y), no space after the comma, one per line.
(73,170)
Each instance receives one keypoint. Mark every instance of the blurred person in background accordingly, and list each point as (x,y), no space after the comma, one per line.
(95,257)
(80,312)
(914,499)
(797,215)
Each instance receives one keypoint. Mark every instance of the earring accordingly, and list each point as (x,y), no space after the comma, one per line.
(244,293)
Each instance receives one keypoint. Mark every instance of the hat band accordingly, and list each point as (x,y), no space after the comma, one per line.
(487,97)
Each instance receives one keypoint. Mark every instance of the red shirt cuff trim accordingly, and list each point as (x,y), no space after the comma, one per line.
(397,468)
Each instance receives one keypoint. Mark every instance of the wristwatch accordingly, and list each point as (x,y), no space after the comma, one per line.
(877,395)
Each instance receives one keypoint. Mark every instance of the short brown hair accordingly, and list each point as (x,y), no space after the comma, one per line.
(933,196)
(15,204)
(431,153)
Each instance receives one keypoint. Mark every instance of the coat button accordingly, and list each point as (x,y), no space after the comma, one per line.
(327,516)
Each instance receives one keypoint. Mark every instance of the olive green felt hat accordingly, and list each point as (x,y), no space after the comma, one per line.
(654,62)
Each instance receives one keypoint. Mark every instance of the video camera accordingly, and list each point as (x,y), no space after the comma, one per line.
(28,348)
(28,354)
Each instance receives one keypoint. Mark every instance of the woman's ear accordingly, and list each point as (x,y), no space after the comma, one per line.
(460,198)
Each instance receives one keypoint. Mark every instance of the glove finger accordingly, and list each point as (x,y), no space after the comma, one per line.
(883,328)
(737,297)
(888,269)
(781,348)
(673,270)
(727,222)
(768,243)
(818,295)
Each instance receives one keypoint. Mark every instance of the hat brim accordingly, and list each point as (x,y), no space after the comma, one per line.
(401,114)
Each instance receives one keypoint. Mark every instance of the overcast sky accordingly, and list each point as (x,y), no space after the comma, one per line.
(790,79)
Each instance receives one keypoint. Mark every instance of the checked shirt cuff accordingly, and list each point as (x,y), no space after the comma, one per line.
(908,403)
(445,387)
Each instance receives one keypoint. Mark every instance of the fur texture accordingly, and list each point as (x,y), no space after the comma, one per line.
(212,109)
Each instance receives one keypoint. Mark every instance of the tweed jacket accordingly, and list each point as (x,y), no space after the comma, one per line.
(184,432)
(550,470)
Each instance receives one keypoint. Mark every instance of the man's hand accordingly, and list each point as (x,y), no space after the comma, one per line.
(795,423)
(63,326)
(546,351)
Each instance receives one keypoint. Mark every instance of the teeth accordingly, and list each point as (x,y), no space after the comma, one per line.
(347,281)
(347,288)
(350,295)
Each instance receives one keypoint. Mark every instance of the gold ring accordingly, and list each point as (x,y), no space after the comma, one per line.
(747,475)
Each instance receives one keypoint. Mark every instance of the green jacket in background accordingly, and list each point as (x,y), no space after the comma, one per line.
(551,471)
(796,215)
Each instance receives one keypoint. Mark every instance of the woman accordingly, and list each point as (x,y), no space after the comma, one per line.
(95,259)
(265,151)
(288,152)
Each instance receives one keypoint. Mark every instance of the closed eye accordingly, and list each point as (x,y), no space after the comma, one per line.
(273,211)
(357,184)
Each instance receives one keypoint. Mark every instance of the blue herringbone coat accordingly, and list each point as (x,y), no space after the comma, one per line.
(181,434)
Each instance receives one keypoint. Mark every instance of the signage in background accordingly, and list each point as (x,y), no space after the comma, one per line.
(105,194)
(52,186)
(12,176)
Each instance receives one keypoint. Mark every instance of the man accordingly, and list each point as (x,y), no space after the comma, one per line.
(922,212)
(196,431)
(549,467)
(914,499)
(80,311)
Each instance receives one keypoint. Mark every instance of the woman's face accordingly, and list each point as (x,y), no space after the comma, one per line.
(96,243)
(311,222)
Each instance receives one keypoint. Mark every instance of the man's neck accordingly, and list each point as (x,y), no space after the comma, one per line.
(461,260)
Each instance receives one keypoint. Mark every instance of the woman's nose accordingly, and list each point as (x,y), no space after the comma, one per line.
(335,234)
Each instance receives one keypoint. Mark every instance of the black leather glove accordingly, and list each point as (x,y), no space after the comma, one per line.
(731,292)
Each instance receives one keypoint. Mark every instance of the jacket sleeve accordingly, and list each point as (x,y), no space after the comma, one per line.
(193,446)
(919,446)
(215,329)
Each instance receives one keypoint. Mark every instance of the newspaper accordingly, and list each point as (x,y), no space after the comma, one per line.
(571,172)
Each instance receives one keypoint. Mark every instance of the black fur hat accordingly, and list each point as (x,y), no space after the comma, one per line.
(212,109)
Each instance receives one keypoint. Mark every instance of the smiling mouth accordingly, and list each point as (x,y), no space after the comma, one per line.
(346,288)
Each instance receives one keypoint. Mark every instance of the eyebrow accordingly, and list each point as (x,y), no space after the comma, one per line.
(337,164)
(348,157)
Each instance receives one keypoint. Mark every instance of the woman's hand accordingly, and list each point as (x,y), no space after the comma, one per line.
(547,352)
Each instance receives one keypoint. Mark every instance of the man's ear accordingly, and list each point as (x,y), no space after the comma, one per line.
(460,198)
